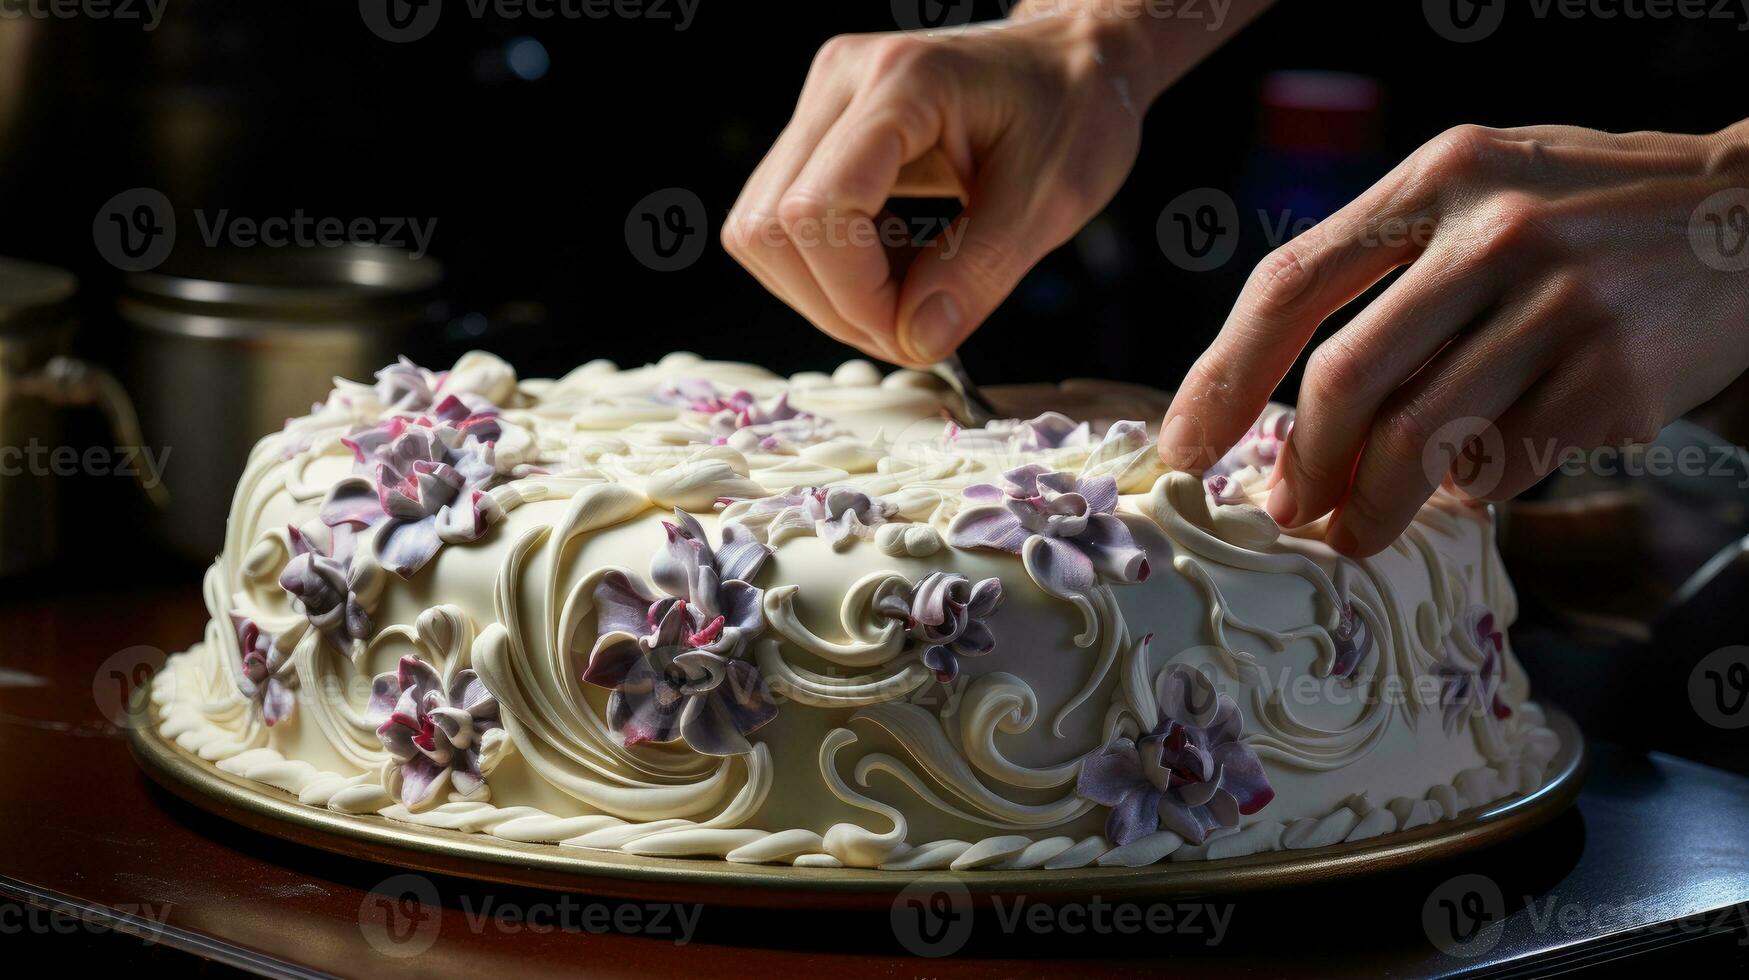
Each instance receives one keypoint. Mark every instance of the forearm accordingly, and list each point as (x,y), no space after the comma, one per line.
(1150,44)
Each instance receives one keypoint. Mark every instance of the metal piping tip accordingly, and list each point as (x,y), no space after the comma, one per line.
(975,409)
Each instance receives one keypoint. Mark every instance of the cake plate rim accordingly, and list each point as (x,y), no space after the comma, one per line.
(614,874)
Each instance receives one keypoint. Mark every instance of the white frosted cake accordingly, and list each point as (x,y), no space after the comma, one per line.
(694,609)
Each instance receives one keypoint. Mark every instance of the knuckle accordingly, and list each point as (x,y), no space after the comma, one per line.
(797,207)
(1334,372)
(1570,294)
(1462,152)
(896,54)
(989,267)
(747,231)
(1283,276)
(835,52)
(1508,225)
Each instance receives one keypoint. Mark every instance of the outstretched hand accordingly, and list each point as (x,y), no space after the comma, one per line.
(1565,289)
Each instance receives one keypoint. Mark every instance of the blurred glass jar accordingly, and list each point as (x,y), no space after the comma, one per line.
(231,343)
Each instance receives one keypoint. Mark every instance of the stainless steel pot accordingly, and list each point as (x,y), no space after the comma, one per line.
(230,343)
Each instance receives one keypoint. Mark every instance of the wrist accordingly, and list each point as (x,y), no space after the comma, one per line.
(1146,44)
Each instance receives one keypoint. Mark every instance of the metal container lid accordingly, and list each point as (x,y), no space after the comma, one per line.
(32,294)
(248,292)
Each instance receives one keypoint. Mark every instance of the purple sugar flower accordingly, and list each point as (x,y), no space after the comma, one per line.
(747,425)
(407,387)
(1225,490)
(674,660)
(836,513)
(945,612)
(1464,685)
(322,581)
(670,685)
(433,732)
(1052,430)
(427,487)
(259,680)
(1191,774)
(1078,539)
(700,395)
(1259,447)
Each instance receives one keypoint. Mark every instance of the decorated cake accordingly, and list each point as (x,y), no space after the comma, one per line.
(695,609)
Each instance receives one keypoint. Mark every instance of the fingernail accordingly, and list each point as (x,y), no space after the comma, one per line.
(935,327)
(1178,442)
(1281,504)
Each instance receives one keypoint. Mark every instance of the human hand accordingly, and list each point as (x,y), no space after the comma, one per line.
(1039,119)
(1554,290)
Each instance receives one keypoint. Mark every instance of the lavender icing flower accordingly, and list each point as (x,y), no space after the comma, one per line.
(675,661)
(1259,448)
(406,387)
(427,486)
(746,425)
(1052,430)
(700,395)
(1063,528)
(323,582)
(1465,685)
(262,663)
(946,613)
(1225,489)
(837,514)
(435,733)
(1191,774)
(669,685)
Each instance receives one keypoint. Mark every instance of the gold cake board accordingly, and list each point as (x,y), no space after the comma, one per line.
(614,874)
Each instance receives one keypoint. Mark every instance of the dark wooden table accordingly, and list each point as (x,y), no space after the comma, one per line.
(96,863)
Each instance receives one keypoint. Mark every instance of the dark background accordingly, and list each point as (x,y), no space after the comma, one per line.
(264,108)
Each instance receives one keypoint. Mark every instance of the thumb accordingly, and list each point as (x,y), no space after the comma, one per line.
(959,278)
